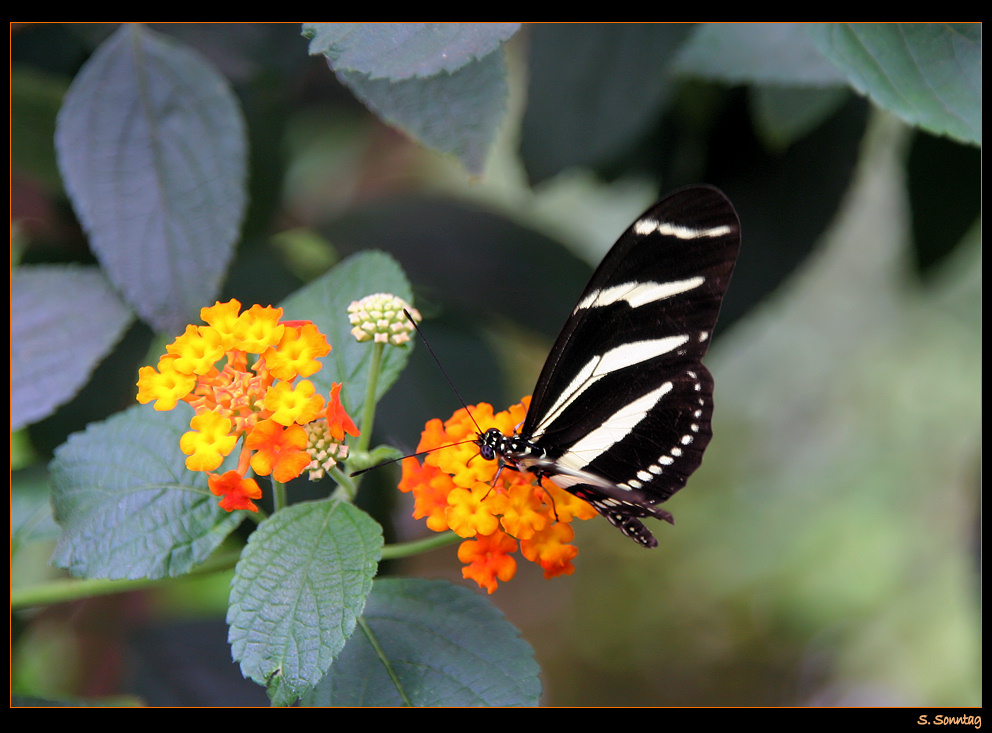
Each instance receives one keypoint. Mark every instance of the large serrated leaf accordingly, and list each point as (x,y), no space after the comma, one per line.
(152,148)
(457,113)
(128,506)
(929,74)
(325,302)
(63,321)
(445,644)
(443,84)
(298,589)
(401,50)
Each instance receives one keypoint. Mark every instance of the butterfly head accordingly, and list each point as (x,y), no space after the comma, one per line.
(490,443)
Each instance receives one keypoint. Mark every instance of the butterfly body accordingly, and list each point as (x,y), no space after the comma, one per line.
(620,415)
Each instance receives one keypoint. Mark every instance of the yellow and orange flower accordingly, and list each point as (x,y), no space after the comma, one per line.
(237,491)
(266,403)
(454,488)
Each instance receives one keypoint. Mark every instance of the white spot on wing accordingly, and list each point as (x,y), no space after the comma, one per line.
(635,294)
(614,429)
(647,226)
(599,366)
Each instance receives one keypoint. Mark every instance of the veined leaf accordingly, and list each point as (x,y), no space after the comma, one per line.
(152,148)
(298,589)
(128,506)
(445,645)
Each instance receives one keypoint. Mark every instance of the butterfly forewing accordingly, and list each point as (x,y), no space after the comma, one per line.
(621,412)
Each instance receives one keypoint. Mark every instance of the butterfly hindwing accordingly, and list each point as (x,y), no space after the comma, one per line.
(621,412)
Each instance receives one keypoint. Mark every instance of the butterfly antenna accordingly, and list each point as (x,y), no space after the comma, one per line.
(438,362)
(411,455)
(453,389)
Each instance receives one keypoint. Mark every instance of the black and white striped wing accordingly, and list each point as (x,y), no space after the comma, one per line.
(621,413)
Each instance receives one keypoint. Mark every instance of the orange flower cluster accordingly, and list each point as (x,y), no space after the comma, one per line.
(265,404)
(454,489)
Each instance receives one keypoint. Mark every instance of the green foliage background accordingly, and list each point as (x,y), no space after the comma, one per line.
(828,550)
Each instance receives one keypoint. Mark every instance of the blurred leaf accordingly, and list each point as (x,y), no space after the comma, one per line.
(786,199)
(115,701)
(594,90)
(470,259)
(457,113)
(306,253)
(325,302)
(757,53)
(63,322)
(945,192)
(929,74)
(448,646)
(298,589)
(783,115)
(398,51)
(128,506)
(22,453)
(152,147)
(34,102)
(30,511)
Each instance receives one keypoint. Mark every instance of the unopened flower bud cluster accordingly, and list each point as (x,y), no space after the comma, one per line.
(380,317)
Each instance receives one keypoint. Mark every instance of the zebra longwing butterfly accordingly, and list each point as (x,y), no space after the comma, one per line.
(620,415)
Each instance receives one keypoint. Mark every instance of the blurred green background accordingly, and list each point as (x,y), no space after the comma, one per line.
(827,552)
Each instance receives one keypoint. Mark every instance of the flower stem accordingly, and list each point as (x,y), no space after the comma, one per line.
(417,547)
(69,589)
(278,495)
(347,488)
(368,408)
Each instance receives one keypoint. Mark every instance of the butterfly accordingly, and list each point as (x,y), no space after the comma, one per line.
(621,413)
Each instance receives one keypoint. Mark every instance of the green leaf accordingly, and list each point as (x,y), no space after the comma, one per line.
(929,74)
(152,148)
(30,510)
(298,589)
(445,645)
(594,91)
(401,50)
(457,113)
(785,114)
(757,53)
(443,84)
(63,321)
(128,506)
(325,302)
(34,102)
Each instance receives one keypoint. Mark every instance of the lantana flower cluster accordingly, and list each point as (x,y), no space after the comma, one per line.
(455,488)
(285,426)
